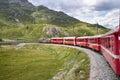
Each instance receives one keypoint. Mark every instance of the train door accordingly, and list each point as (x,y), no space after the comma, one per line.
(119,44)
(119,48)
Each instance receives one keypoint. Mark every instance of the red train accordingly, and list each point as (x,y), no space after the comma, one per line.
(108,44)
(69,40)
(56,40)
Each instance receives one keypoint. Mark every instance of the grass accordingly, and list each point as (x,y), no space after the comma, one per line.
(40,62)
(28,32)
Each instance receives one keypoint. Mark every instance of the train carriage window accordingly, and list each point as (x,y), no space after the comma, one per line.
(93,40)
(59,39)
(80,40)
(104,42)
(69,40)
(108,43)
(112,44)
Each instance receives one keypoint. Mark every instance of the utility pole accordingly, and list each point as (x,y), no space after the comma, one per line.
(1,40)
(73,31)
(36,15)
(97,29)
(0,47)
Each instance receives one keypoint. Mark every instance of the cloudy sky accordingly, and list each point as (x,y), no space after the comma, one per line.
(104,12)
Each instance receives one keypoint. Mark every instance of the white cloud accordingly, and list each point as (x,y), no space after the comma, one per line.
(89,2)
(105,12)
(110,19)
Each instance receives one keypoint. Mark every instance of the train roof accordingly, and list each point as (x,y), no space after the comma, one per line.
(69,37)
(96,36)
(57,38)
(83,37)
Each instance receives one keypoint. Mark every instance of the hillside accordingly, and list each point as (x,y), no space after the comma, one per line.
(20,20)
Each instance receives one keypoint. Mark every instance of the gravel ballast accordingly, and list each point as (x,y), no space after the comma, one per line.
(99,68)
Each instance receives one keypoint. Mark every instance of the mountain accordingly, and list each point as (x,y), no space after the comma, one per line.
(20,20)
(45,15)
(16,11)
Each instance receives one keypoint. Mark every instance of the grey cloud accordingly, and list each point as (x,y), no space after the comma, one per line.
(70,8)
(63,5)
(71,5)
(107,5)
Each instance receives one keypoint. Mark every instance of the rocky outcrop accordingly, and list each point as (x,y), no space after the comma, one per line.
(53,31)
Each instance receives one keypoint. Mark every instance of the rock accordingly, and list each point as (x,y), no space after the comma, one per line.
(53,31)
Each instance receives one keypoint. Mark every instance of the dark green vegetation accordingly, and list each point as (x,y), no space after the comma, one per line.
(42,62)
(22,21)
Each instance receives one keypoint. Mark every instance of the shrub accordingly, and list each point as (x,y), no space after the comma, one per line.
(0,39)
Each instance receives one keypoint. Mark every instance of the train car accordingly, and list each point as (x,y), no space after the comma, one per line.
(69,40)
(82,41)
(57,40)
(94,42)
(110,48)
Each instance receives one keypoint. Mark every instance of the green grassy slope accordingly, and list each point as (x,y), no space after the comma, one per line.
(22,32)
(42,62)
